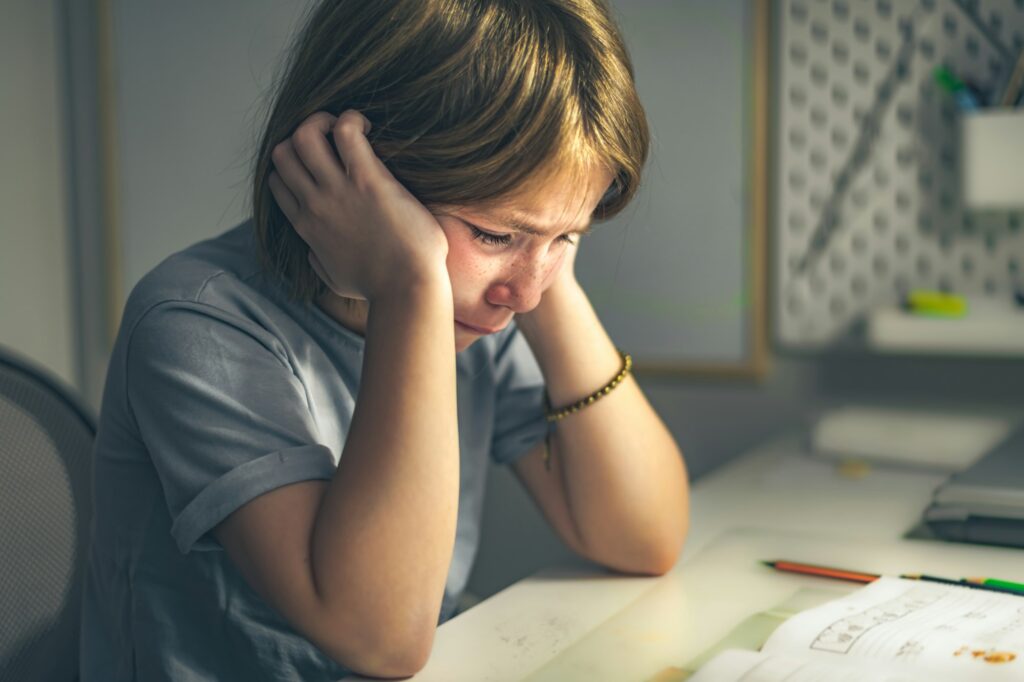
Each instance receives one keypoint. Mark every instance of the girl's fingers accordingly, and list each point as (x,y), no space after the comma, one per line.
(311,145)
(292,171)
(287,202)
(355,151)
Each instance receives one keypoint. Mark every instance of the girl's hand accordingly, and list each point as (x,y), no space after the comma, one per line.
(563,291)
(367,235)
(566,275)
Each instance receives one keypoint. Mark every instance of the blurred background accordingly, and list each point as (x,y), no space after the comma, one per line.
(767,275)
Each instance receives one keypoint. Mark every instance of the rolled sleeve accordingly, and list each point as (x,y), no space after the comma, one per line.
(221,413)
(246,482)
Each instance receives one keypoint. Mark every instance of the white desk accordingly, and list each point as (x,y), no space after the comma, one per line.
(571,625)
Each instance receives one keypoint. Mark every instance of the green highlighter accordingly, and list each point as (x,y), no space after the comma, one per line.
(935,303)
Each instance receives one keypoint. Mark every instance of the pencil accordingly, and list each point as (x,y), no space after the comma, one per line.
(994,582)
(987,584)
(822,571)
(963,582)
(1013,87)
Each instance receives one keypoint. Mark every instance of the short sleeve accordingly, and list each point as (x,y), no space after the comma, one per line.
(519,421)
(220,411)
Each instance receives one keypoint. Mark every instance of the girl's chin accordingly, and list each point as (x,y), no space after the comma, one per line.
(464,339)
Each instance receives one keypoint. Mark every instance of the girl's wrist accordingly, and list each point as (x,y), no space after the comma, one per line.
(414,282)
(562,297)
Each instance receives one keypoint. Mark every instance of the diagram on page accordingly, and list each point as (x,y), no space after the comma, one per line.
(972,632)
(841,636)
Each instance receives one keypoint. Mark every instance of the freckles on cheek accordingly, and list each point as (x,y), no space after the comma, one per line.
(464,261)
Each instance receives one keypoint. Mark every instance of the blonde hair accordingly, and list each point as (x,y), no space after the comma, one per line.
(469,101)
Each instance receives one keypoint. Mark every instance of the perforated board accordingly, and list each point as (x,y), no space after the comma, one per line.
(866,203)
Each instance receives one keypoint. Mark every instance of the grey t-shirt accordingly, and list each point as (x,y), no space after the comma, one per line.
(221,389)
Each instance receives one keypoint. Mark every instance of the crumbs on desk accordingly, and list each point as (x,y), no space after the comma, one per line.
(853,468)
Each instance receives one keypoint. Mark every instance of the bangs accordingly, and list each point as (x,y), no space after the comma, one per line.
(531,86)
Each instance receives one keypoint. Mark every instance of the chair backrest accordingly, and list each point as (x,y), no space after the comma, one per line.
(46,439)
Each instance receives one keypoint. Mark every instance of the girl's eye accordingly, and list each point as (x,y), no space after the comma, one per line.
(505,239)
(491,238)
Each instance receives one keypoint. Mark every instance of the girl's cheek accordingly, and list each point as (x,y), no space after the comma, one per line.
(468,265)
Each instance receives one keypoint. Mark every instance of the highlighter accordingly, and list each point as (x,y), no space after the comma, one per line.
(935,303)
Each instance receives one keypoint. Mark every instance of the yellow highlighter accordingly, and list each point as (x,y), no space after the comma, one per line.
(935,303)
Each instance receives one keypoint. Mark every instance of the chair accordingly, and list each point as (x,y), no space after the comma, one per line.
(46,439)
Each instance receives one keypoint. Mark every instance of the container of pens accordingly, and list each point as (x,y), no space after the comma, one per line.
(991,141)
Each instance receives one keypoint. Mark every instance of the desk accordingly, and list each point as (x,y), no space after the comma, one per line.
(774,501)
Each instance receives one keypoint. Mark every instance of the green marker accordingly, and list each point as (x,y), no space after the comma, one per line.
(965,97)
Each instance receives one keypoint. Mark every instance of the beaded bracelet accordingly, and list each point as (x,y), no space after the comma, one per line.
(561,413)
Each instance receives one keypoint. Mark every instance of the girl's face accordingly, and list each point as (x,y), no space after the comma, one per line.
(503,256)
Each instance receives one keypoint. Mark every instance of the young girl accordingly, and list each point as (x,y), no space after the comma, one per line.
(299,414)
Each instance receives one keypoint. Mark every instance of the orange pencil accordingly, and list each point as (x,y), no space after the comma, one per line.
(822,571)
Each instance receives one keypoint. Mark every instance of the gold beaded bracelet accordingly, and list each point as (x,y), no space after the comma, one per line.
(561,413)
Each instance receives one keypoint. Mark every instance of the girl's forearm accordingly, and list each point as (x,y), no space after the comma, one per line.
(625,478)
(384,536)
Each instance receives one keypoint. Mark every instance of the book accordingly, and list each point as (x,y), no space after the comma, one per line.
(892,630)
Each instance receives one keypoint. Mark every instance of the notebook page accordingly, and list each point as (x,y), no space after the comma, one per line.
(736,665)
(943,629)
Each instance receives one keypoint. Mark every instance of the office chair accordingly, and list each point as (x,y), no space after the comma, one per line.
(46,439)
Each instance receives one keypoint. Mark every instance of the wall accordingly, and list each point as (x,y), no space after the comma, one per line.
(190,83)
(35,268)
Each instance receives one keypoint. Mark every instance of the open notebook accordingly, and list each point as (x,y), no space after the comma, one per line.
(893,630)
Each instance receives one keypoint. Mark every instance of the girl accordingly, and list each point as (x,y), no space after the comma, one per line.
(299,414)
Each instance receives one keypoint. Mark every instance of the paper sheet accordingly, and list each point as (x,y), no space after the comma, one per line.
(913,629)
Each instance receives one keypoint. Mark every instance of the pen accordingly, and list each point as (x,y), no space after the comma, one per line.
(965,98)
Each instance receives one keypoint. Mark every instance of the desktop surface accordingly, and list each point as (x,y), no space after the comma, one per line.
(775,502)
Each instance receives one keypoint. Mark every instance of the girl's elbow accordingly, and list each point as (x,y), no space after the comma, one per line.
(656,559)
(391,664)
(660,561)
(383,649)
(664,556)
(663,563)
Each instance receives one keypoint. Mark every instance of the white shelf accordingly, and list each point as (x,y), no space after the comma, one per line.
(987,329)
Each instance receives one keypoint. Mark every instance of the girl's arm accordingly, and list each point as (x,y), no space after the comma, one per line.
(617,489)
(358,565)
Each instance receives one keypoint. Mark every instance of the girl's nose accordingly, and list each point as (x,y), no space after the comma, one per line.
(521,288)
